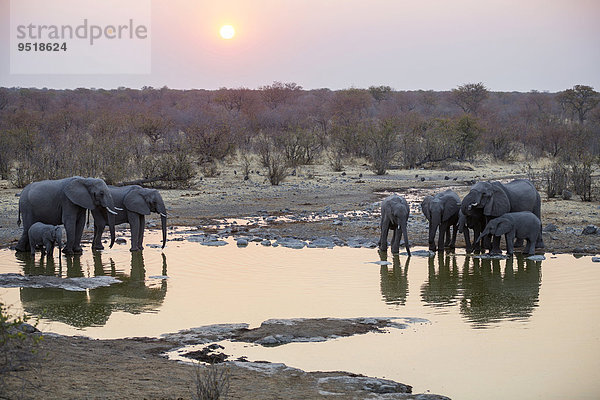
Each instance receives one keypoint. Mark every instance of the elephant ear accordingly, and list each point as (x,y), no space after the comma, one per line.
(78,193)
(426,207)
(135,201)
(498,204)
(452,208)
(503,227)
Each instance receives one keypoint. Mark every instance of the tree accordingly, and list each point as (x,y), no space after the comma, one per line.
(278,93)
(579,100)
(379,92)
(470,96)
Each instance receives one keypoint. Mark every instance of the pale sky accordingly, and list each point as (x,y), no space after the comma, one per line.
(509,45)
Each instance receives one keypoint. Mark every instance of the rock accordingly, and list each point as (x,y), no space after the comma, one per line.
(337,222)
(567,194)
(550,228)
(241,242)
(589,230)
(422,179)
(322,243)
(290,243)
(266,242)
(596,259)
(446,178)
(120,241)
(538,257)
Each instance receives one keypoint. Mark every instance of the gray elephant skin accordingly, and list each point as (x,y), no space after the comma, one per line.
(65,202)
(132,203)
(519,225)
(394,216)
(496,199)
(474,221)
(441,210)
(45,235)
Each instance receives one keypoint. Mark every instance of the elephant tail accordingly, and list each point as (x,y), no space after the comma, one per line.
(87,223)
(19,218)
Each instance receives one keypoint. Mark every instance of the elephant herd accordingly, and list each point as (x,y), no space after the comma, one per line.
(490,210)
(45,205)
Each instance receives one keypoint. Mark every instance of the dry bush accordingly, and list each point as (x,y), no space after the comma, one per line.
(271,159)
(211,382)
(557,180)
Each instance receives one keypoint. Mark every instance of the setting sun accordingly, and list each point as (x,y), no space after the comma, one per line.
(227,32)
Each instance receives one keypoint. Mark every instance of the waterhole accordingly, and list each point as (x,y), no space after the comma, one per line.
(508,328)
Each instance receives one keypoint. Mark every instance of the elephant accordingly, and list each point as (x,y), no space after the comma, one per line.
(496,199)
(45,235)
(132,203)
(441,210)
(394,215)
(520,225)
(64,201)
(475,221)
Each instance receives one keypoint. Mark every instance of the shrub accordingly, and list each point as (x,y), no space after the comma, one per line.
(581,177)
(210,383)
(271,159)
(557,179)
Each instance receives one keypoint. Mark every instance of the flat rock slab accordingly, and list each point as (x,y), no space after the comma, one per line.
(276,332)
(42,281)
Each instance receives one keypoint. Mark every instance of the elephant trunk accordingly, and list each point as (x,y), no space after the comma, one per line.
(163,220)
(111,228)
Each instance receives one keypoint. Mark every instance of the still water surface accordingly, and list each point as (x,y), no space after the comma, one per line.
(499,328)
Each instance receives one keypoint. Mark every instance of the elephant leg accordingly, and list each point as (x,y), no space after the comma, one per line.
(530,247)
(432,230)
(69,224)
(441,237)
(49,247)
(477,244)
(140,242)
(496,245)
(518,242)
(134,226)
(383,238)
(396,240)
(79,226)
(510,239)
(448,239)
(467,240)
(23,244)
(97,242)
(539,243)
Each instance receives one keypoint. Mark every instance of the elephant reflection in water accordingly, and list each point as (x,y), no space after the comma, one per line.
(442,287)
(394,284)
(44,266)
(94,307)
(490,296)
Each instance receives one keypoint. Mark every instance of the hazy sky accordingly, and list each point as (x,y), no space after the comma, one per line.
(419,44)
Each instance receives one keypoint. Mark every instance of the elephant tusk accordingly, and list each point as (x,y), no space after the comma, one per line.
(118,209)
(474,204)
(111,211)
(163,215)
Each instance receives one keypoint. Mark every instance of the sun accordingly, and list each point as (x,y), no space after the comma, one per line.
(227,32)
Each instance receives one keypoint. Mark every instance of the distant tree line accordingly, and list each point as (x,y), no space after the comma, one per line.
(165,136)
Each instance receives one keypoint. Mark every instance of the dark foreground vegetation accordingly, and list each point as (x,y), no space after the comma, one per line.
(164,137)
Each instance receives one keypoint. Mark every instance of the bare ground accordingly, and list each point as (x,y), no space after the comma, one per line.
(73,367)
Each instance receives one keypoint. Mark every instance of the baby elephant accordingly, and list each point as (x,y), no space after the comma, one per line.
(520,225)
(394,216)
(45,235)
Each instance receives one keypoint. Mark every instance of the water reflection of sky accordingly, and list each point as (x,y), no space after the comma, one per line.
(489,318)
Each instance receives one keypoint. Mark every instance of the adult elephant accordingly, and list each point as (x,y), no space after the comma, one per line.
(496,199)
(133,203)
(441,210)
(65,202)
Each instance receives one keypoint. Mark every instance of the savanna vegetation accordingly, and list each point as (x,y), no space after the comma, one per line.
(167,137)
